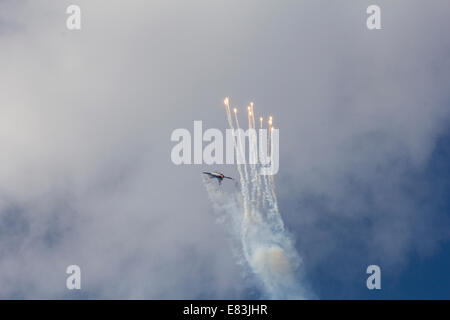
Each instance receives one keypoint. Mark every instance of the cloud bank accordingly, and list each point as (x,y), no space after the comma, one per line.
(86,117)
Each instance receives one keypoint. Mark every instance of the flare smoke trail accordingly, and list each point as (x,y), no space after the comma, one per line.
(259,238)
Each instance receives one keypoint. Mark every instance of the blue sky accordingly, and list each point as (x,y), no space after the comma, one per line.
(422,276)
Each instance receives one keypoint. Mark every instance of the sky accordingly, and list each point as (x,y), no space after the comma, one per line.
(86,118)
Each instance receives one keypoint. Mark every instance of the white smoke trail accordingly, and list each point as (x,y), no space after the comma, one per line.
(259,238)
(230,123)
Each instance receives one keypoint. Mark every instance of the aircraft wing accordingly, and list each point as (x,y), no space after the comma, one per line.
(209,174)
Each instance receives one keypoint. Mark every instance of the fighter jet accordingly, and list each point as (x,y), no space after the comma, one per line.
(218,175)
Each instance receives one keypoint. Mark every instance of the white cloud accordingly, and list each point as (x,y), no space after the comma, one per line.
(86,117)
